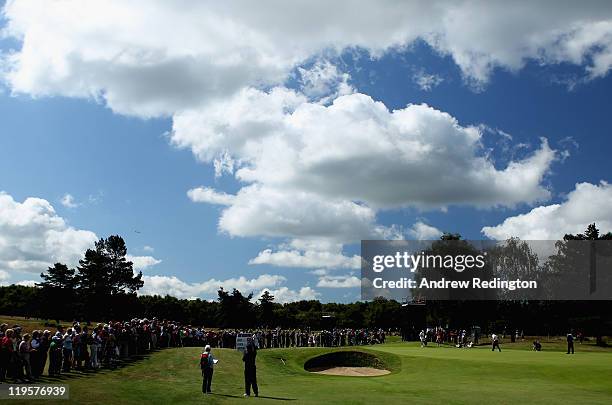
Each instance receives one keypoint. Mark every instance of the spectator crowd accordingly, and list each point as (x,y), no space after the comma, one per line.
(24,356)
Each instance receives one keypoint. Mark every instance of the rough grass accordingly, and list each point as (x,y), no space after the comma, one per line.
(30,324)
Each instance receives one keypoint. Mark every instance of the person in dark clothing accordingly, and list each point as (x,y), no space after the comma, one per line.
(35,354)
(537,346)
(570,343)
(43,350)
(250,370)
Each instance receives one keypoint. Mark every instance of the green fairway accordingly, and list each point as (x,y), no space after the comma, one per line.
(419,375)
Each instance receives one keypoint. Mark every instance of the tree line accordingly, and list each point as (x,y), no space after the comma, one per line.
(104,287)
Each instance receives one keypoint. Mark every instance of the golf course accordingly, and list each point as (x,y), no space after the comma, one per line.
(417,375)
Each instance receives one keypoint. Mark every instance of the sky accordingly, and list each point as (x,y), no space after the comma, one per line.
(255,147)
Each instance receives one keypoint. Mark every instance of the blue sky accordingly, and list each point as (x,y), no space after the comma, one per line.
(128,176)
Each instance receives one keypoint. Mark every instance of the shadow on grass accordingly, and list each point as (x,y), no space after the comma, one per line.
(87,373)
(278,398)
(261,396)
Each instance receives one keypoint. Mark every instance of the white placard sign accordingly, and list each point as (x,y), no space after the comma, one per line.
(242,340)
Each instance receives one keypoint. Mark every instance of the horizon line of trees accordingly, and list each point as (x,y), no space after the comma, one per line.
(235,310)
(104,287)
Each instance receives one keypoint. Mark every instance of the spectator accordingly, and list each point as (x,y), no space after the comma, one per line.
(6,354)
(24,356)
(67,350)
(207,362)
(35,353)
(43,350)
(55,354)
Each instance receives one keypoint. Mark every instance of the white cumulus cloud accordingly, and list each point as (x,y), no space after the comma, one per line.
(210,196)
(423,231)
(306,259)
(33,236)
(586,204)
(285,294)
(323,172)
(142,263)
(324,82)
(172,285)
(357,150)
(341,281)
(153,58)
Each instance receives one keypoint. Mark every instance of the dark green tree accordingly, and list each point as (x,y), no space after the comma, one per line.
(58,276)
(236,310)
(591,233)
(105,276)
(598,252)
(57,292)
(266,309)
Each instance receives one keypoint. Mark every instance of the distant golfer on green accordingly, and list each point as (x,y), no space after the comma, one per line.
(495,341)
(570,343)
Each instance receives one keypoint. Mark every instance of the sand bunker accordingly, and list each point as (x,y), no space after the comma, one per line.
(351,371)
(347,362)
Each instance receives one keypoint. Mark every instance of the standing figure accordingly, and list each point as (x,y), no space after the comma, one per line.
(207,362)
(250,370)
(570,343)
(495,341)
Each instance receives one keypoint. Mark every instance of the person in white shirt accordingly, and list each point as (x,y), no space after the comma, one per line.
(495,342)
(207,362)
(423,338)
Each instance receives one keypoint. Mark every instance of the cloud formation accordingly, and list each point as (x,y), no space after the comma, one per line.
(33,236)
(314,171)
(323,172)
(342,281)
(423,231)
(320,162)
(142,263)
(426,81)
(68,201)
(172,285)
(209,195)
(307,259)
(284,294)
(154,58)
(586,204)
(356,150)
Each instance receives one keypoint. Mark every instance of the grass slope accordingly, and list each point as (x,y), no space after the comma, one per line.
(419,375)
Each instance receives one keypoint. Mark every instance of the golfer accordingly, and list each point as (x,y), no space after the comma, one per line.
(570,343)
(250,371)
(495,340)
(207,362)
(423,338)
